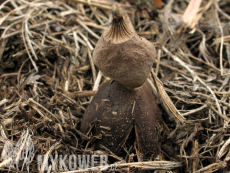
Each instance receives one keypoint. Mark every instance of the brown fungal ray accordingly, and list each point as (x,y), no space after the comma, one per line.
(148,123)
(118,110)
(124,56)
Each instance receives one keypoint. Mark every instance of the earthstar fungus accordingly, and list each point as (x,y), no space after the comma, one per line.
(127,101)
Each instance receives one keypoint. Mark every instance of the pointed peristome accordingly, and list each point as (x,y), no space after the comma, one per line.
(119,31)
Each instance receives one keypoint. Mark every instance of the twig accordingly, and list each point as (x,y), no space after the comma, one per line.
(221,115)
(194,110)
(212,167)
(158,61)
(191,12)
(92,65)
(97,82)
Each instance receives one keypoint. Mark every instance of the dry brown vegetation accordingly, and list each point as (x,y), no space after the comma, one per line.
(47,79)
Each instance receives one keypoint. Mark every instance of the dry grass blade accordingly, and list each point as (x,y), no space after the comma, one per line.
(222,39)
(152,165)
(165,100)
